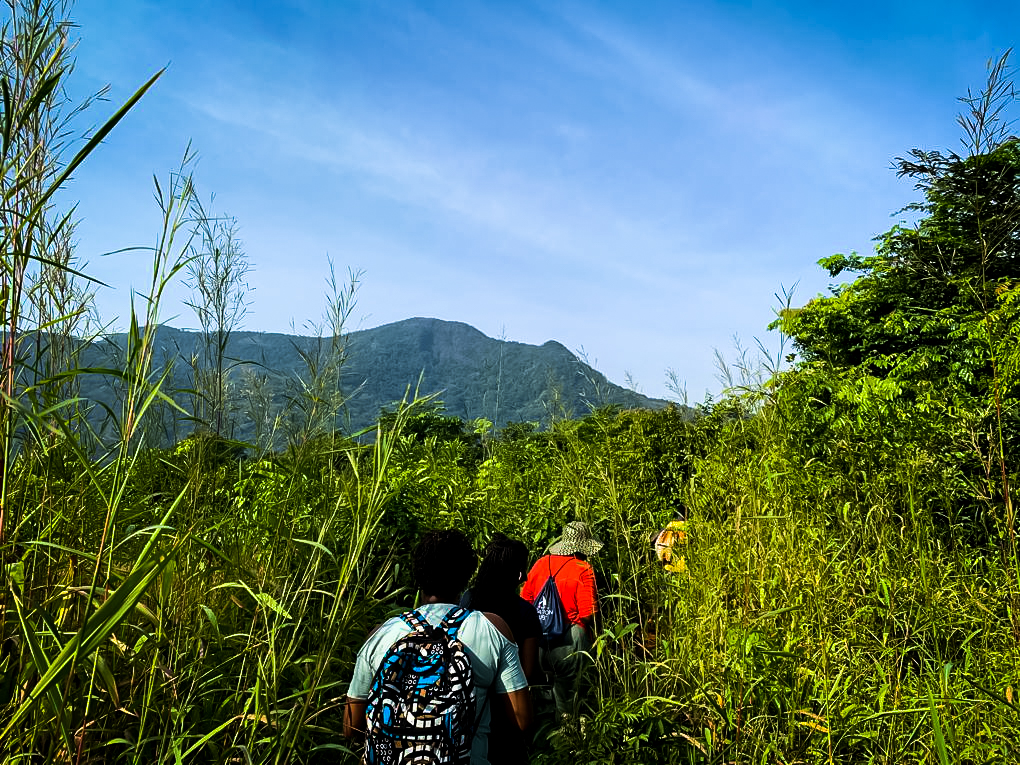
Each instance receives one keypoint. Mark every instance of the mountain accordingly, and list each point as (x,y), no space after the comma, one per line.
(476,375)
(473,375)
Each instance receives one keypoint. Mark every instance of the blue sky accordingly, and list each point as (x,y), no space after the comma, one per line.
(635,179)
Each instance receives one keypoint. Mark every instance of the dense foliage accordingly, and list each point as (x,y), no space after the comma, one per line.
(851,587)
(915,312)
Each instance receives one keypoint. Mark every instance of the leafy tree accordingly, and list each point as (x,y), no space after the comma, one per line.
(918,309)
(930,319)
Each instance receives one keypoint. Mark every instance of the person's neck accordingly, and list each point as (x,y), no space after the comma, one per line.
(447,598)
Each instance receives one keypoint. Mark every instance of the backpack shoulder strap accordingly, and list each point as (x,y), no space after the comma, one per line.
(414,620)
(453,620)
(562,566)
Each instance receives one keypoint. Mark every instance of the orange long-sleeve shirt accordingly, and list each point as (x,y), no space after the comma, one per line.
(575,582)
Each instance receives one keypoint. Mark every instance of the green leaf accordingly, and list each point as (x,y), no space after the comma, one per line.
(97,138)
(8,123)
(269,602)
(16,573)
(93,633)
(212,619)
(107,677)
(940,741)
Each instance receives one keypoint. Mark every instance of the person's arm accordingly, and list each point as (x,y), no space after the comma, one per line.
(354,717)
(355,721)
(587,599)
(529,659)
(527,650)
(516,704)
(517,707)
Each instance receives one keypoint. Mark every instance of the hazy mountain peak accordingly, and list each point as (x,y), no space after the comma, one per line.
(475,375)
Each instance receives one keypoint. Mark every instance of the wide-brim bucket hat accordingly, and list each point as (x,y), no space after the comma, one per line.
(576,538)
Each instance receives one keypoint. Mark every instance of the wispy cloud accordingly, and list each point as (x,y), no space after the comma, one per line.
(470,184)
(758,107)
(637,179)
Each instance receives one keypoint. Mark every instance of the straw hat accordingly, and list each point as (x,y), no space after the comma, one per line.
(576,538)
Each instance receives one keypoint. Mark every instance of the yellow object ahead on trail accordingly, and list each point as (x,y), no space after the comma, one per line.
(666,540)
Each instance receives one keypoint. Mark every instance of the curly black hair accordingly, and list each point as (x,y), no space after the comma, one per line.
(443,562)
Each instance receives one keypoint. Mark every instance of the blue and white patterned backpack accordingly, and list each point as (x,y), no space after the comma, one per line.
(421,707)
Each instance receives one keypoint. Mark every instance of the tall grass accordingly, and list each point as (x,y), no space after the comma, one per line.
(157,606)
(824,618)
(843,601)
(851,588)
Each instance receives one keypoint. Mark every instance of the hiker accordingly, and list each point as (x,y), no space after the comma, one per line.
(666,540)
(495,590)
(500,574)
(564,652)
(470,656)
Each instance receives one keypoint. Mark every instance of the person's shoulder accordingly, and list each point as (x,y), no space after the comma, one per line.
(524,607)
(497,622)
(542,559)
(391,622)
(391,625)
(527,617)
(381,639)
(569,563)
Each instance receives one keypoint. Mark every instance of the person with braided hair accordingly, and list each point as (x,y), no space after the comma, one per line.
(495,590)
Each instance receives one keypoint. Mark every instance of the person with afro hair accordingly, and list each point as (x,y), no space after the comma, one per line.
(442,564)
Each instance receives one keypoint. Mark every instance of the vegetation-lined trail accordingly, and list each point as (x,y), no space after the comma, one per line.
(820,619)
(852,587)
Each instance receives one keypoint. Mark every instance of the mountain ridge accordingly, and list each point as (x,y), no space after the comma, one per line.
(473,375)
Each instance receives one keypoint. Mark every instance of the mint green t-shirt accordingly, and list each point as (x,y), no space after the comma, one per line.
(495,665)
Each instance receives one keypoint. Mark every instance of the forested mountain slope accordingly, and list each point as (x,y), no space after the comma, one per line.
(472,374)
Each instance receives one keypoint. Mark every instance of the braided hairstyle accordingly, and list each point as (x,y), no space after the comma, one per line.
(443,562)
(502,571)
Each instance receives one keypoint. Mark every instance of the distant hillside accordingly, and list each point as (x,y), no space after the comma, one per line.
(473,375)
(476,375)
